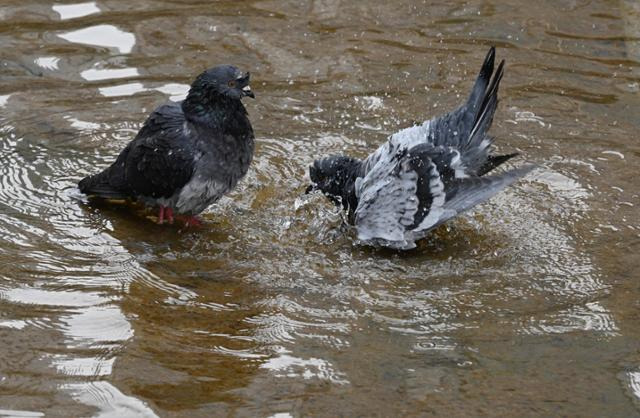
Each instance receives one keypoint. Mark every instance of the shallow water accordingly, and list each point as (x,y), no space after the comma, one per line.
(529,305)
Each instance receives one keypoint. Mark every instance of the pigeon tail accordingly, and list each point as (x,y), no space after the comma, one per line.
(482,81)
(484,113)
(99,185)
(465,129)
(479,109)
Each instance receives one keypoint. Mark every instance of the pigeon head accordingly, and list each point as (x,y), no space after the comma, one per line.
(335,176)
(224,81)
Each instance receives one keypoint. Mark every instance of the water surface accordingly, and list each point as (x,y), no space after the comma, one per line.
(526,306)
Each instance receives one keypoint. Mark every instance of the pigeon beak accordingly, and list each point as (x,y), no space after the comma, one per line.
(246,91)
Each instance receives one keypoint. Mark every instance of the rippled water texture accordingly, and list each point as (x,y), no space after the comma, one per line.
(527,306)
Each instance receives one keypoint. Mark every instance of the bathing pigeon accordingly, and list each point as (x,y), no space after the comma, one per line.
(188,154)
(423,175)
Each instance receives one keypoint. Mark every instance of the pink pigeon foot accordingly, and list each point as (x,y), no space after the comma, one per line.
(165,213)
(169,214)
(192,221)
(161,215)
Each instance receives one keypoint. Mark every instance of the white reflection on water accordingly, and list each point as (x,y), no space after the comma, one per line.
(84,366)
(49,63)
(82,125)
(122,90)
(13,323)
(288,366)
(17,413)
(109,400)
(175,91)
(70,11)
(102,35)
(26,295)
(96,325)
(277,327)
(590,317)
(93,74)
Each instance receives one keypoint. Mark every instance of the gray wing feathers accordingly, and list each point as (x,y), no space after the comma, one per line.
(464,194)
(387,201)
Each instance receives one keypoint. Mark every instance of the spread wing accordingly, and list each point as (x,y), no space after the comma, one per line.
(161,159)
(388,196)
(464,194)
(418,189)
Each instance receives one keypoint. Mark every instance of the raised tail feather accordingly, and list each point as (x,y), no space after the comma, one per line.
(484,94)
(482,81)
(484,114)
(479,111)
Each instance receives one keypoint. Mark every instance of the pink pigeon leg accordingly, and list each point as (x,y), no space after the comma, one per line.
(169,214)
(161,215)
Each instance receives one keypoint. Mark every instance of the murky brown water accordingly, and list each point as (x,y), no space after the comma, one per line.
(528,306)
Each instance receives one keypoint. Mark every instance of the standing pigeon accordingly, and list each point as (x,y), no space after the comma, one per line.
(188,154)
(423,175)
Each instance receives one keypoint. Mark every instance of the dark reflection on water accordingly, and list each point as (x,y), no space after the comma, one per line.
(528,305)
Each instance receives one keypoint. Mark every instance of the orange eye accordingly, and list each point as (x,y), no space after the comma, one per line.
(231,84)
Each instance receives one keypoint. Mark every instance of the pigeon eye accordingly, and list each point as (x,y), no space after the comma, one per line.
(231,83)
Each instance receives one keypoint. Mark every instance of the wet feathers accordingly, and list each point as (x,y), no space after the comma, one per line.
(188,154)
(423,175)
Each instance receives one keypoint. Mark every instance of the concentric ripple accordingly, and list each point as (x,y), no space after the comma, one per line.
(525,306)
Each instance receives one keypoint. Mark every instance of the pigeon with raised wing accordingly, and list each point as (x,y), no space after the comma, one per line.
(423,175)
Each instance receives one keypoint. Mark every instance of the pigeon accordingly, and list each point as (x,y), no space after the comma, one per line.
(423,175)
(187,154)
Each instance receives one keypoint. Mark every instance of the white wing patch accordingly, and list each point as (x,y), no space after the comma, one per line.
(457,165)
(438,195)
(404,139)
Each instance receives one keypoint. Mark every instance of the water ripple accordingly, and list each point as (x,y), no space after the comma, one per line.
(271,302)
